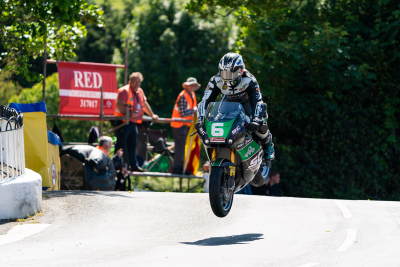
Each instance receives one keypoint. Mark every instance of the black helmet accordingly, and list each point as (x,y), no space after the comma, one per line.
(231,67)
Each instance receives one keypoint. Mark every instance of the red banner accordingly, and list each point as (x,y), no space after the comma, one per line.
(80,88)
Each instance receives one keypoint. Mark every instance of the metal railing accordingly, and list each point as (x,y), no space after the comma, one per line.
(12,152)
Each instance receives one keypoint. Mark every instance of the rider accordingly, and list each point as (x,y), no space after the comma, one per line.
(238,85)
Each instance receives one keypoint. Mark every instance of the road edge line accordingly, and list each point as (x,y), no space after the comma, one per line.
(350,240)
(346,212)
(20,232)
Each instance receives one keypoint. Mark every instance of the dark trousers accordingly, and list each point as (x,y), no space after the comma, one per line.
(127,135)
(180,135)
(246,105)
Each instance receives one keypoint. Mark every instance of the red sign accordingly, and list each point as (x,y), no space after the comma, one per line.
(217,139)
(80,88)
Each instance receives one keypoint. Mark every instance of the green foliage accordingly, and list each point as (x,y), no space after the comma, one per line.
(73,131)
(161,184)
(26,25)
(100,43)
(7,87)
(329,73)
(116,4)
(168,46)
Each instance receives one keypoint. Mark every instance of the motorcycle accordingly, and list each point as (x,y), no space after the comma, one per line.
(236,158)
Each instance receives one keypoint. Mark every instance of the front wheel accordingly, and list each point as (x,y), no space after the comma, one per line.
(221,196)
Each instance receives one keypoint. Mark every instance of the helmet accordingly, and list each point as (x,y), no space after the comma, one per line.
(231,67)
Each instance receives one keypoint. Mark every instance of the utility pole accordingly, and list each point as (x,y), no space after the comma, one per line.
(126,61)
(44,69)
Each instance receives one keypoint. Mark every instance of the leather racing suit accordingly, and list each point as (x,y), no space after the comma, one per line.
(247,92)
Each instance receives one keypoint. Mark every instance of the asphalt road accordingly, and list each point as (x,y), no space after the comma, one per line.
(178,229)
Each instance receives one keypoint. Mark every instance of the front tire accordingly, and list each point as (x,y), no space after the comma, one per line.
(220,198)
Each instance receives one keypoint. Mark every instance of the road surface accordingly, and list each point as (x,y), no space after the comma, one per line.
(179,229)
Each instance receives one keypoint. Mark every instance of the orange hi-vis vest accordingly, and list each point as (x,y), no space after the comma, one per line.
(137,104)
(191,103)
(102,149)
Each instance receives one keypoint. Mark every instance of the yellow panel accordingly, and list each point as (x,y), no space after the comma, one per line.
(40,155)
(35,141)
(54,168)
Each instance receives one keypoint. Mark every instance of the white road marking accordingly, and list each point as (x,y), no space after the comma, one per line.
(350,240)
(344,209)
(20,232)
(311,264)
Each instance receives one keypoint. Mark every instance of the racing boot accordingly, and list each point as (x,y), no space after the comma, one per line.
(269,154)
(265,138)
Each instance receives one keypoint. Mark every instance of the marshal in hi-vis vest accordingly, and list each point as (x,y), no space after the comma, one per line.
(191,103)
(137,104)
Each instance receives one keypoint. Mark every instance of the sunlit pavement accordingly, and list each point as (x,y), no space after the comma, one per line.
(178,229)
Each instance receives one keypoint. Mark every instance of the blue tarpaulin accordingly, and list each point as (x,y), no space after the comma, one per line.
(34,107)
(54,139)
(38,107)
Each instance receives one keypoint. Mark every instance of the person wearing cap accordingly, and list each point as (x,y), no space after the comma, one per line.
(185,107)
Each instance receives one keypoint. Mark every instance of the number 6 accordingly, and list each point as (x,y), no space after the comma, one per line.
(217,131)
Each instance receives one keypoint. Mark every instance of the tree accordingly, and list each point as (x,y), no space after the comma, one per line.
(328,71)
(168,46)
(7,87)
(26,25)
(100,43)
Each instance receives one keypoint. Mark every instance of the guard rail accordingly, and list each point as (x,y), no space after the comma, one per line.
(12,152)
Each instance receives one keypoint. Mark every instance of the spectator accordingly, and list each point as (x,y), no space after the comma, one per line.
(185,107)
(271,187)
(206,166)
(119,162)
(132,95)
(105,144)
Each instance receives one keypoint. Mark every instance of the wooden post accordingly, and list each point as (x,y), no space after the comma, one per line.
(44,70)
(126,62)
(101,112)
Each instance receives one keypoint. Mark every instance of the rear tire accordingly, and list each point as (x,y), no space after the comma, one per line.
(218,202)
(262,176)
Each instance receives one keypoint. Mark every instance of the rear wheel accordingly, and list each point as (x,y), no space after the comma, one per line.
(221,196)
(262,175)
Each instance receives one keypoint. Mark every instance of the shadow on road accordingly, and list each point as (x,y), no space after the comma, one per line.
(226,240)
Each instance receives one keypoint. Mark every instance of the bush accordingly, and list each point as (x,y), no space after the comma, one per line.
(330,77)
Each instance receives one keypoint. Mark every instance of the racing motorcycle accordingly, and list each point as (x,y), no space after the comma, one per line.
(236,159)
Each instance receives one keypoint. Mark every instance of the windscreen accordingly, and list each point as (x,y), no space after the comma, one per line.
(223,111)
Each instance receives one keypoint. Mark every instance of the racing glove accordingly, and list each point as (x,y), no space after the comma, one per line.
(253,126)
(199,123)
(200,127)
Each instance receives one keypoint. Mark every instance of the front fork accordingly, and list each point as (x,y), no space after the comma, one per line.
(228,186)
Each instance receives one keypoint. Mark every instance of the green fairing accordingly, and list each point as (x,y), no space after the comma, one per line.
(246,150)
(217,163)
(227,127)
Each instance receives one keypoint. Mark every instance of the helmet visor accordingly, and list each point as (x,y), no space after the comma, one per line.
(227,75)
